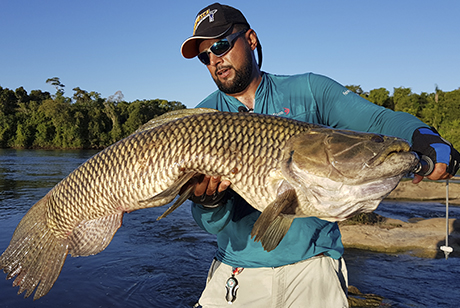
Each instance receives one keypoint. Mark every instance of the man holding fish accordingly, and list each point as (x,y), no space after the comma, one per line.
(306,269)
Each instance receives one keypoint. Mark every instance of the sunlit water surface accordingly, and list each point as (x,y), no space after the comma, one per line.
(164,263)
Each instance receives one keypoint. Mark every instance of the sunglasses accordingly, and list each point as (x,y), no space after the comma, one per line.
(219,48)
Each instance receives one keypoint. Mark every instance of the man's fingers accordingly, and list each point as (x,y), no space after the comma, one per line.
(439,172)
(417,179)
(200,188)
(209,185)
(212,185)
(223,185)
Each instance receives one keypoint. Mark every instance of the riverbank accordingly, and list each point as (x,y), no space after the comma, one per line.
(427,191)
(420,237)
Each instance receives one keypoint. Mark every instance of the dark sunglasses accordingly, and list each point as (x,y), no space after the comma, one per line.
(219,48)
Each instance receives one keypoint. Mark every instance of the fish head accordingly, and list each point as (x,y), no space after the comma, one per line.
(350,157)
(340,173)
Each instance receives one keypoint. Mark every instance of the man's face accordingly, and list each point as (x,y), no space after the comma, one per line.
(232,71)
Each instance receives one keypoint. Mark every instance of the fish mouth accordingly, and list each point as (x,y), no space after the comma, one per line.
(388,153)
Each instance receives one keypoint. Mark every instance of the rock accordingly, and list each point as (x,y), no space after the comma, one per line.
(421,238)
(426,190)
(357,299)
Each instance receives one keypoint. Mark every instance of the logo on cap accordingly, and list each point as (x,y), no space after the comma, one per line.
(208,13)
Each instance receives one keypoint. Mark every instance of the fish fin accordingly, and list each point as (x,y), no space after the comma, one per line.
(276,232)
(35,255)
(182,198)
(168,194)
(92,236)
(272,226)
(171,116)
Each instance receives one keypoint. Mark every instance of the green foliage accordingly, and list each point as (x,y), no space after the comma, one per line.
(357,89)
(41,120)
(439,109)
(381,97)
(86,120)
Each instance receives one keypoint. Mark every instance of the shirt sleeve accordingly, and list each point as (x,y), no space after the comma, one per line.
(344,109)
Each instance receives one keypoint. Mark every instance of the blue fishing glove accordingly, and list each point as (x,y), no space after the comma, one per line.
(428,142)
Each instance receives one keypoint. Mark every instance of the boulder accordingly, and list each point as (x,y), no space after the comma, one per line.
(357,299)
(422,237)
(426,191)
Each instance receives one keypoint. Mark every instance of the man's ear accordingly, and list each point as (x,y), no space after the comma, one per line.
(252,39)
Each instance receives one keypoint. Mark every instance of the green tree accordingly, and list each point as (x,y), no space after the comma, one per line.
(449,106)
(24,136)
(58,111)
(356,89)
(8,101)
(8,105)
(42,120)
(94,124)
(111,110)
(38,95)
(7,129)
(21,95)
(381,97)
(404,100)
(55,82)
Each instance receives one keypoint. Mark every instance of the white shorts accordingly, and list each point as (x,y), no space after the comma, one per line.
(316,282)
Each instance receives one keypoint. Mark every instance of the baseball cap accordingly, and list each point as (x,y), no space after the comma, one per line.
(211,22)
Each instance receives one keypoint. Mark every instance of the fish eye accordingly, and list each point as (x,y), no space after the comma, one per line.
(377,138)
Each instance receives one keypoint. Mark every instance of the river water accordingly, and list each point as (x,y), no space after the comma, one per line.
(164,263)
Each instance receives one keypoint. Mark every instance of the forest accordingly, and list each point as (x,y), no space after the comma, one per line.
(40,120)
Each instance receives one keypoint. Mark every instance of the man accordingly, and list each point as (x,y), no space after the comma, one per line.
(306,269)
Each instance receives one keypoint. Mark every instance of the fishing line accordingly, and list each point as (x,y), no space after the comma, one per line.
(447,250)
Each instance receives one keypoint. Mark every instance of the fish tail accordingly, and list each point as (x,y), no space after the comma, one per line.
(35,255)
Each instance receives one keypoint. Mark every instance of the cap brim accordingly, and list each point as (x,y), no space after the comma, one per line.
(189,48)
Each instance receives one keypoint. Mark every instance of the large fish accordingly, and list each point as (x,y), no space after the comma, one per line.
(282,167)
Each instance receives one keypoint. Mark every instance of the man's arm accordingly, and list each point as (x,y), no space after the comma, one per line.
(341,108)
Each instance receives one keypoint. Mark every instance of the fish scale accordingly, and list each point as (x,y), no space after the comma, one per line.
(257,153)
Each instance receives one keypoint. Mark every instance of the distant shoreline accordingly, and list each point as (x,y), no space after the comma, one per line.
(426,190)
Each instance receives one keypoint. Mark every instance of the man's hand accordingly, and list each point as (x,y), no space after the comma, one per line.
(427,141)
(439,173)
(209,190)
(209,185)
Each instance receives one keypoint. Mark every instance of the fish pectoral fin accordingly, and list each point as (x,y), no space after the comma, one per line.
(184,196)
(168,194)
(272,225)
(92,236)
(276,232)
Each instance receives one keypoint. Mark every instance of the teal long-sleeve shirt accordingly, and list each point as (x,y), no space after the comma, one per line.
(310,98)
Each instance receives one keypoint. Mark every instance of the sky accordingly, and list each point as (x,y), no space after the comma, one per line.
(134,46)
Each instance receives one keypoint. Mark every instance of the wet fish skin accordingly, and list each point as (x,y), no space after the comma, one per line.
(80,215)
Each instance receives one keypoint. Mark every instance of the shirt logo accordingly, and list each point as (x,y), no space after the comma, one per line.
(200,18)
(284,112)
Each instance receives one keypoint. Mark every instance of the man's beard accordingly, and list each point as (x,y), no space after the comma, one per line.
(240,82)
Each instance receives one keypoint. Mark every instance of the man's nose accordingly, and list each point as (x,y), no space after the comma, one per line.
(213,59)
